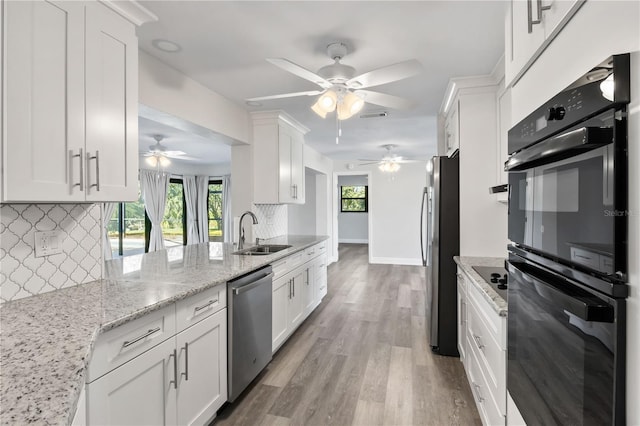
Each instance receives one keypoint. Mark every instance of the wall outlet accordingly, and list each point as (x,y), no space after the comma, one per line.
(47,243)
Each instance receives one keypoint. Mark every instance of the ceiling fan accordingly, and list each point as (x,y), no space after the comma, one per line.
(158,155)
(390,163)
(342,90)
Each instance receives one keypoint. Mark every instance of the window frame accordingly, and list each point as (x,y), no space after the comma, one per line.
(365,198)
(209,219)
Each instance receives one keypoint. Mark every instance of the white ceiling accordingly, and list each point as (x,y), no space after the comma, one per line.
(225,43)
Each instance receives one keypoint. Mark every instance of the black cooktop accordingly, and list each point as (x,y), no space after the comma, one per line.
(496,277)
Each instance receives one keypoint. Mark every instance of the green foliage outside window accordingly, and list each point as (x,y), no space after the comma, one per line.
(354,198)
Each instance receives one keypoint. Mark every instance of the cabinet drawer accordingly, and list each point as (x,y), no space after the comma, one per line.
(279,268)
(489,410)
(495,323)
(491,357)
(199,306)
(122,344)
(316,250)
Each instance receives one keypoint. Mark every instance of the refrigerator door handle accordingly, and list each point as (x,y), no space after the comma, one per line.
(424,198)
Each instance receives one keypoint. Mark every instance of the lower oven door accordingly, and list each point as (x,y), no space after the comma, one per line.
(565,349)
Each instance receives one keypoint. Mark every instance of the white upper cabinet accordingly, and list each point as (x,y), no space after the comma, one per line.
(111,106)
(278,156)
(452,130)
(70,103)
(530,26)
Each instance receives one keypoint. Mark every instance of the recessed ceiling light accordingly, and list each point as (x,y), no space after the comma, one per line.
(254,103)
(166,45)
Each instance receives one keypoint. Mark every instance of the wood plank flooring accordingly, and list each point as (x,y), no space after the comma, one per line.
(361,358)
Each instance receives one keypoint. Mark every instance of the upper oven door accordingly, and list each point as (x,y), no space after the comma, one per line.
(561,204)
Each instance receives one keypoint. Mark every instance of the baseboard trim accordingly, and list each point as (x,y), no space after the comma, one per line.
(396,261)
(353,241)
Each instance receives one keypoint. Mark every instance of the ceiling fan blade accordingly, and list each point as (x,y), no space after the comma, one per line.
(300,71)
(186,158)
(385,100)
(173,154)
(369,163)
(287,95)
(387,74)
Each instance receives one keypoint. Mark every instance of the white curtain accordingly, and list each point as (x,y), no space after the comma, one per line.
(107,212)
(227,221)
(202,187)
(155,186)
(191,200)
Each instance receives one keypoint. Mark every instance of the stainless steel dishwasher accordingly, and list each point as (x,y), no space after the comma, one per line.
(249,333)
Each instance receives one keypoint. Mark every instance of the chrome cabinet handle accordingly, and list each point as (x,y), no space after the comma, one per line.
(530,21)
(97,158)
(477,392)
(137,339)
(81,161)
(175,369)
(186,362)
(293,285)
(289,289)
(478,341)
(206,305)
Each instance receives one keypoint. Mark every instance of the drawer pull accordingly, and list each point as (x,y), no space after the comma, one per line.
(478,341)
(206,305)
(137,339)
(476,387)
(311,253)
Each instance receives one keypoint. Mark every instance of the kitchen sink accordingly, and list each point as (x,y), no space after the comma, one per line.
(262,249)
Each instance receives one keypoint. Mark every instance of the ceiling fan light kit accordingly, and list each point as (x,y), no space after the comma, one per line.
(157,160)
(341,88)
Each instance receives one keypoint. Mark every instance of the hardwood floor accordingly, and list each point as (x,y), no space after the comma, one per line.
(361,358)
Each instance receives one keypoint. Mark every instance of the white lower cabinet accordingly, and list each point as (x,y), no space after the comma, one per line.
(297,290)
(180,380)
(202,370)
(139,392)
(482,341)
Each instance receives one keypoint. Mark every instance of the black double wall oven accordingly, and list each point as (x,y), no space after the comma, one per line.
(568,254)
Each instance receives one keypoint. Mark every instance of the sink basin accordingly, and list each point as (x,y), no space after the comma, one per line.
(262,250)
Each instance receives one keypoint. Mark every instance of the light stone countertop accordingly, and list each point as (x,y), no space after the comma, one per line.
(466,263)
(46,340)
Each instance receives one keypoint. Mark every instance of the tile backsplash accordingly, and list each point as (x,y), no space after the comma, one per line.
(272,220)
(22,274)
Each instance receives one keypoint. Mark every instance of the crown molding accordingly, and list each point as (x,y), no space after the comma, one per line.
(131,10)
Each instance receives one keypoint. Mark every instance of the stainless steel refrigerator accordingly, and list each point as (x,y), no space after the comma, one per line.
(440,241)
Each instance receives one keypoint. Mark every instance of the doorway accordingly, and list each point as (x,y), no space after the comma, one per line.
(351,218)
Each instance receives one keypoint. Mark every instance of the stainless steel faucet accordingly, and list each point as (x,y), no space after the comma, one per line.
(241,229)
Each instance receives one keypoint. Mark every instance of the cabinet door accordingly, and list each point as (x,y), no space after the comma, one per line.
(140,392)
(524,43)
(309,288)
(296,302)
(462,320)
(557,11)
(280,306)
(43,118)
(202,369)
(111,106)
(284,176)
(297,168)
(452,130)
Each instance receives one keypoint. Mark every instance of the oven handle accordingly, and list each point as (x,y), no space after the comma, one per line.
(560,147)
(575,304)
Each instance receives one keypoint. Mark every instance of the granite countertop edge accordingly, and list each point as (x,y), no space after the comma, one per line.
(467,263)
(42,406)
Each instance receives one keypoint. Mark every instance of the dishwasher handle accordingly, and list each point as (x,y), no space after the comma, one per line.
(253,284)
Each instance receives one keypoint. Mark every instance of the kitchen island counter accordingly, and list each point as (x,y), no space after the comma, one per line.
(46,340)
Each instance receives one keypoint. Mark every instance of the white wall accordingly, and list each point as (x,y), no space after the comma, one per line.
(186,168)
(576,49)
(352,227)
(166,89)
(394,209)
(302,217)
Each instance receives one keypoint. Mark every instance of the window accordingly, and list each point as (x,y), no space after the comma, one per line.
(174,223)
(214,207)
(354,199)
(128,229)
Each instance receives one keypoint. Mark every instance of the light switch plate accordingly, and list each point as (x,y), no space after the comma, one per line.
(47,243)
